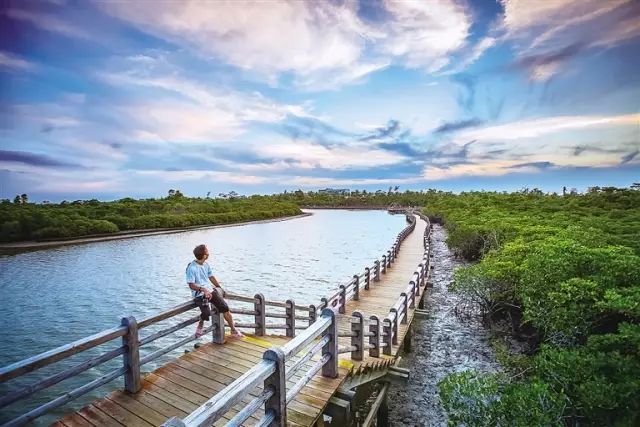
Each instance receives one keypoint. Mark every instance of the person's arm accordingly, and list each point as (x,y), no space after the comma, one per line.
(200,289)
(215,283)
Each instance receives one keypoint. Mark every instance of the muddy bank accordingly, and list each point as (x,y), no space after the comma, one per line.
(442,344)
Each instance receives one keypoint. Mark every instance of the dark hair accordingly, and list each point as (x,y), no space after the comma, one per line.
(199,251)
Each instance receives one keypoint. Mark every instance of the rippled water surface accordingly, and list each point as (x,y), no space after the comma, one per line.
(55,296)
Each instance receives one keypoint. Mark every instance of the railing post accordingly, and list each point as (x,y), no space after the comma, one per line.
(330,369)
(384,264)
(367,278)
(419,282)
(342,299)
(376,277)
(260,319)
(374,339)
(324,303)
(217,326)
(131,358)
(356,287)
(358,340)
(405,305)
(391,253)
(387,339)
(394,326)
(388,259)
(313,313)
(277,403)
(414,288)
(290,311)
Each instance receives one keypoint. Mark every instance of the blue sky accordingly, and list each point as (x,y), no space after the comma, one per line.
(106,99)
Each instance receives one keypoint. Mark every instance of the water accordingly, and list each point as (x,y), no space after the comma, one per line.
(52,297)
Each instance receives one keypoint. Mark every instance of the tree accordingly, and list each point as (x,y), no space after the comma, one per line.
(25,198)
(208,194)
(17,200)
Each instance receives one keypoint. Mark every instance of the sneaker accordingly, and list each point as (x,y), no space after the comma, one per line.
(199,331)
(237,334)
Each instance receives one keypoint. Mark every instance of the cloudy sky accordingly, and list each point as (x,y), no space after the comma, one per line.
(108,99)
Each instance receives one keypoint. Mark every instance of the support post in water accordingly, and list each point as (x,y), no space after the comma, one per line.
(131,359)
(217,326)
(367,278)
(374,339)
(357,328)
(384,264)
(260,319)
(313,312)
(387,330)
(330,369)
(376,277)
(356,287)
(342,299)
(290,311)
(277,403)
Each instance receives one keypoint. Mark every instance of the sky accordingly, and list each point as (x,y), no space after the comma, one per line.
(109,99)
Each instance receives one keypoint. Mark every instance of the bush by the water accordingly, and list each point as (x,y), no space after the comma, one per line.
(566,272)
(30,221)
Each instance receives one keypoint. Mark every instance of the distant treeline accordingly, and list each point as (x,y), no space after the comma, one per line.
(564,274)
(22,221)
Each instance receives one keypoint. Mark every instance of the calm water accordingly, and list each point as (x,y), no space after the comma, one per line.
(55,296)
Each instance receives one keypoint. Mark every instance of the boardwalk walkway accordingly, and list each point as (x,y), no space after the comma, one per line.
(180,387)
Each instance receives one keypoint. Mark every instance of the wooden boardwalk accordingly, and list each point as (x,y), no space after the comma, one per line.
(181,386)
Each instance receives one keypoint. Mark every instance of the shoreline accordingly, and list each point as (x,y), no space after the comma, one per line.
(18,247)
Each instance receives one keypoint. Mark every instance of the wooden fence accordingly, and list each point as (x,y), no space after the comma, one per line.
(258,308)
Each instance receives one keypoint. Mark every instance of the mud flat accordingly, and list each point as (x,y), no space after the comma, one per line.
(443,343)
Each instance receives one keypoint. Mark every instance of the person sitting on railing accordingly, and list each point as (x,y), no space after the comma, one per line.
(200,279)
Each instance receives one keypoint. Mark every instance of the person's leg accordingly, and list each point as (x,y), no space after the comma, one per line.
(205,313)
(221,305)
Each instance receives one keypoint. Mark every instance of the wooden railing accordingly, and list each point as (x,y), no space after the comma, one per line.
(256,308)
(366,334)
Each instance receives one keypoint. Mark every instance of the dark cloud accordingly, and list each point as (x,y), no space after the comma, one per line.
(34,159)
(461,124)
(392,127)
(627,158)
(401,148)
(313,130)
(539,165)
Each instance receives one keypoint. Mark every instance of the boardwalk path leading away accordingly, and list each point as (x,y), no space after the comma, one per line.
(181,386)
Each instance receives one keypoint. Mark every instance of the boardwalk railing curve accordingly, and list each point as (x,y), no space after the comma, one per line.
(256,308)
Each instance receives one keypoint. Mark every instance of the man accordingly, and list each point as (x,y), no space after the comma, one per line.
(200,278)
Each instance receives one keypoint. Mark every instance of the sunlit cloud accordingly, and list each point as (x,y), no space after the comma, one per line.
(198,175)
(11,61)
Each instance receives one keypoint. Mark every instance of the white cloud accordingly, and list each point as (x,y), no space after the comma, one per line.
(545,32)
(323,44)
(425,33)
(306,155)
(197,175)
(534,128)
(305,181)
(10,60)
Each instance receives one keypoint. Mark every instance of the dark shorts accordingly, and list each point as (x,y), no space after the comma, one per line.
(217,301)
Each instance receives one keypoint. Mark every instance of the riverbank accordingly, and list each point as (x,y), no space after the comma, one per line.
(18,247)
(443,343)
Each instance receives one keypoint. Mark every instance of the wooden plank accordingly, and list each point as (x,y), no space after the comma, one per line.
(74,420)
(143,411)
(98,418)
(120,414)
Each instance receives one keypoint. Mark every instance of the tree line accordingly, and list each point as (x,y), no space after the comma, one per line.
(22,221)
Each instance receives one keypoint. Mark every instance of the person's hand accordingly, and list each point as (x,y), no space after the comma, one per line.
(207,294)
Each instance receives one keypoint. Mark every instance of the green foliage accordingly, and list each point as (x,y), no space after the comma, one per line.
(28,221)
(570,267)
(482,400)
